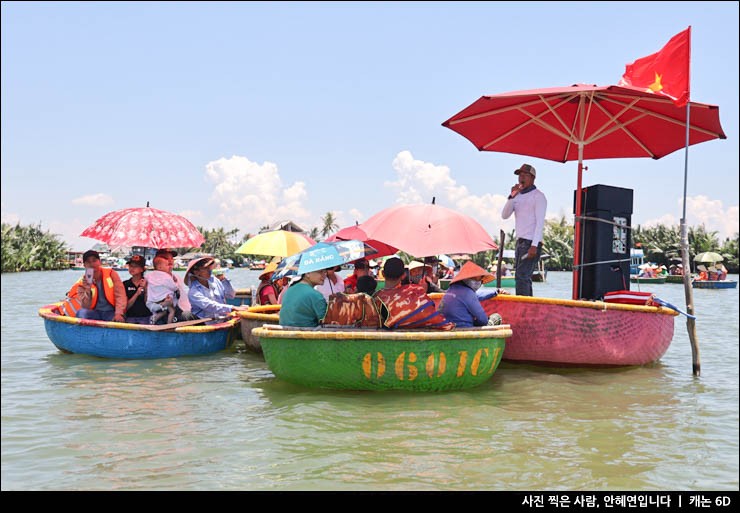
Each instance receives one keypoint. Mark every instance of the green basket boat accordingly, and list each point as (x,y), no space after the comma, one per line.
(369,359)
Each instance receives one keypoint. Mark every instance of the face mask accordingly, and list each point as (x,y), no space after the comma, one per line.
(473,284)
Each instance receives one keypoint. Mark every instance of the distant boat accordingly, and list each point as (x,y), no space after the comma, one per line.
(657,279)
(714,284)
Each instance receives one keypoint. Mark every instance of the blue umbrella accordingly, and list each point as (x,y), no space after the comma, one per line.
(323,255)
(446,261)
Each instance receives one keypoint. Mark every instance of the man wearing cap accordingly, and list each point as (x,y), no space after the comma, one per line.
(528,204)
(102,299)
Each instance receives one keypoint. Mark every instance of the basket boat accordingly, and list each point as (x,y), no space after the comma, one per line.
(660,279)
(255,317)
(374,359)
(106,339)
(582,333)
(714,284)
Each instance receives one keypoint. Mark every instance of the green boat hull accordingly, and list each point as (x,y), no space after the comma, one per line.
(383,360)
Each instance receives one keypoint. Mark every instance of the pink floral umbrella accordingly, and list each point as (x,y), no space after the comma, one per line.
(145,226)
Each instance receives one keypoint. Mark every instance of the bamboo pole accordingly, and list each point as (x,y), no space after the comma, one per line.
(502,239)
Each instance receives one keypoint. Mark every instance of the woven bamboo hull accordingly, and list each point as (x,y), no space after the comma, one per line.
(255,317)
(132,341)
(584,333)
(365,359)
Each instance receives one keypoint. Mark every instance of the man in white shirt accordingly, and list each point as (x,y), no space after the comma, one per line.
(528,204)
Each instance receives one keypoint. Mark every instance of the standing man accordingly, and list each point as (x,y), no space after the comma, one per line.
(528,205)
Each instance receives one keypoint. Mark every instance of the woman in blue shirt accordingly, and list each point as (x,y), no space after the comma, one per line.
(460,304)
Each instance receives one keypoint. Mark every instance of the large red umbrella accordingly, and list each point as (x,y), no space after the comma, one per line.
(427,230)
(584,122)
(144,226)
(356,233)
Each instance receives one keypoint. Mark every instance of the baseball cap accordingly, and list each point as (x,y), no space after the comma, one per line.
(526,168)
(137,260)
(90,253)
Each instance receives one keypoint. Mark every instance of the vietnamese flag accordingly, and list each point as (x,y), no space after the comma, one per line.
(665,72)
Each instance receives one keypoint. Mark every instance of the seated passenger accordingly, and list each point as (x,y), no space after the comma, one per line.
(461,304)
(406,306)
(367,284)
(333,283)
(207,293)
(136,311)
(161,292)
(361,269)
(267,291)
(102,298)
(302,304)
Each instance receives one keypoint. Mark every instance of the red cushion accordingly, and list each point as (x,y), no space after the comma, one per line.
(628,297)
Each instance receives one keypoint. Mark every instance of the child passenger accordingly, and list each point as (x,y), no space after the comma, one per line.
(161,292)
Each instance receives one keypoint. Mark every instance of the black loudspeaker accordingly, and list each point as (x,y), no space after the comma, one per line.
(605,246)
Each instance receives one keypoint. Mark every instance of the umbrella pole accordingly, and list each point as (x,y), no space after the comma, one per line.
(577,230)
(688,290)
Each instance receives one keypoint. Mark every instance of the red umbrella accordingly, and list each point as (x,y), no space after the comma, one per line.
(584,122)
(357,233)
(427,230)
(144,226)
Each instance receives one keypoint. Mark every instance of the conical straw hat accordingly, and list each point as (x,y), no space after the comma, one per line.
(472,270)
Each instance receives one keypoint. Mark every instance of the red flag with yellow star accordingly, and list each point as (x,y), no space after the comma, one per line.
(665,72)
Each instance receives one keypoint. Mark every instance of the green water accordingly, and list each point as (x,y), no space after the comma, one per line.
(224,422)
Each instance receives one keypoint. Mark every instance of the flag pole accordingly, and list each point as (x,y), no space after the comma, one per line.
(688,290)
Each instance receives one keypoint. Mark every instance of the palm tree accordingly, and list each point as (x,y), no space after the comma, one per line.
(314,233)
(330,224)
(557,241)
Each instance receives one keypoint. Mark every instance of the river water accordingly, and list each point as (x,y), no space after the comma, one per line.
(224,422)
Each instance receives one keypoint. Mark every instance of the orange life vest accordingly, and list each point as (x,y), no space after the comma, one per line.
(72,304)
(409,307)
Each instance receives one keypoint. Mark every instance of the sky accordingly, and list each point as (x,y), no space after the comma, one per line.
(242,114)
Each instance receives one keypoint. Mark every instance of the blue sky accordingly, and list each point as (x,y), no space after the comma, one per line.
(242,114)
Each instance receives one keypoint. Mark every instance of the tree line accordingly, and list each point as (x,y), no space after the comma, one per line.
(29,248)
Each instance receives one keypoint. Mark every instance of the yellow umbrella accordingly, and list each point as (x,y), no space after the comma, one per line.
(280,243)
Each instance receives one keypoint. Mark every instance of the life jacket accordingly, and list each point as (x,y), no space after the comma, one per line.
(261,287)
(72,304)
(409,307)
(357,310)
(703,275)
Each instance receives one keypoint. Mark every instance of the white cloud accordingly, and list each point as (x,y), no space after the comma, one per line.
(419,181)
(250,195)
(702,210)
(94,200)
(713,215)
